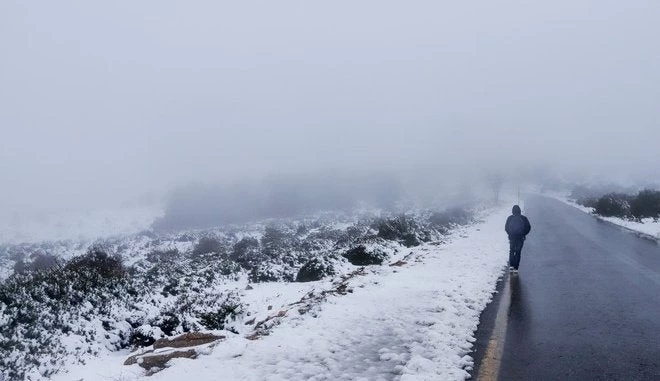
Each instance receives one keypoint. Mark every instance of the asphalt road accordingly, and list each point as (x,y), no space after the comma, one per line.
(585,305)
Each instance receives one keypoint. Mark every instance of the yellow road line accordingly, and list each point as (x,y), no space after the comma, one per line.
(490,364)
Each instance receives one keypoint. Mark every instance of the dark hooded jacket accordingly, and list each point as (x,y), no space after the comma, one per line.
(517,214)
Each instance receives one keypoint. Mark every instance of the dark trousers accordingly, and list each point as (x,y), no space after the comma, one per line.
(515,247)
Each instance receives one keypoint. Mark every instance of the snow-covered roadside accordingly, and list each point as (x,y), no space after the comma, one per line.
(414,322)
(647,226)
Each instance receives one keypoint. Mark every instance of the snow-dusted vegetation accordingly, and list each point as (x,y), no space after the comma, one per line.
(638,211)
(64,302)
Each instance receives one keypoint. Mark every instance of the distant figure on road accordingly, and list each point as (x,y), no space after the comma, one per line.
(517,227)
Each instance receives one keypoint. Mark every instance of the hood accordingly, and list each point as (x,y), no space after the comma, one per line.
(516,210)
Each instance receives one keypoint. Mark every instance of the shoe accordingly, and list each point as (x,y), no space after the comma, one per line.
(515,271)
(511,269)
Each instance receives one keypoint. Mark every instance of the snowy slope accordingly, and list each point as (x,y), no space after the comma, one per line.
(409,322)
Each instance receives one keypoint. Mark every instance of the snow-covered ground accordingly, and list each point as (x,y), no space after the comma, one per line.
(410,322)
(647,226)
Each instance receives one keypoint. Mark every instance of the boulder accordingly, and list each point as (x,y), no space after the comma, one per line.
(152,360)
(182,346)
(191,339)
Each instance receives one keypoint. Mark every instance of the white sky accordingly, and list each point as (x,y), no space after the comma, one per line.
(103,101)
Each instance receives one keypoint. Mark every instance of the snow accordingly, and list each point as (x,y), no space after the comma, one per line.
(409,322)
(646,226)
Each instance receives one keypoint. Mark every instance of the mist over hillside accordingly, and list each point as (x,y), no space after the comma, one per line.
(123,99)
(207,205)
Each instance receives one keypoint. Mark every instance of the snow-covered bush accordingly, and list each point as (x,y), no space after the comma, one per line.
(92,301)
(277,241)
(208,245)
(38,261)
(364,256)
(315,269)
(41,308)
(247,253)
(210,310)
(646,204)
(401,229)
(613,205)
(163,285)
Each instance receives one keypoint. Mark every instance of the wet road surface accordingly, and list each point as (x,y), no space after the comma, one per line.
(585,305)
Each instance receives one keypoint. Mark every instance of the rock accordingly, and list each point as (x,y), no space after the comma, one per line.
(361,256)
(190,339)
(183,346)
(151,360)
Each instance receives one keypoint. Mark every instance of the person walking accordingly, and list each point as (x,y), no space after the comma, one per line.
(517,227)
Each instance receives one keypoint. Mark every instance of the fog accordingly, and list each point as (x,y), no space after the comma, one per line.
(111,103)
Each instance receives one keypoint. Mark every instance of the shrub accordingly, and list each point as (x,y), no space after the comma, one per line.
(160,255)
(393,229)
(401,229)
(207,245)
(267,272)
(361,256)
(38,262)
(646,204)
(410,240)
(145,336)
(43,261)
(218,318)
(97,262)
(168,322)
(40,307)
(613,205)
(275,241)
(247,253)
(314,269)
(210,310)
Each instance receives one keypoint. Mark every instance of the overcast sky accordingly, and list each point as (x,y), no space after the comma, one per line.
(104,101)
